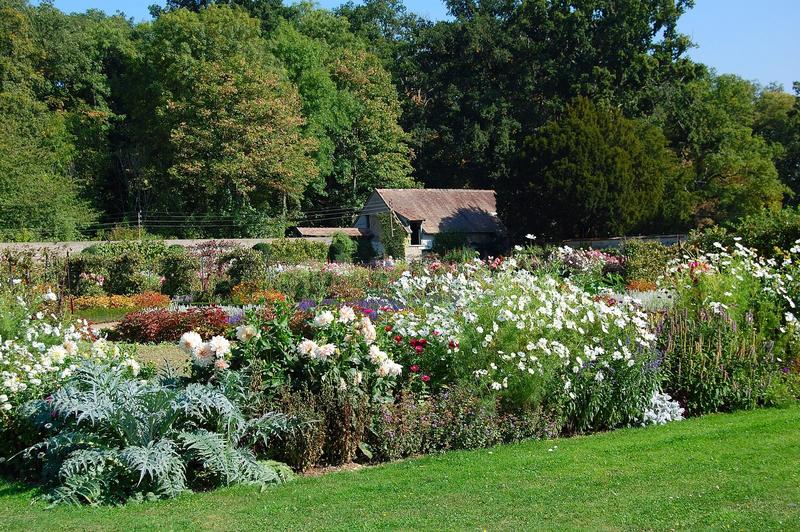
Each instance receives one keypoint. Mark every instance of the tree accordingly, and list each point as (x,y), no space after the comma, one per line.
(351,108)
(219,123)
(710,122)
(593,172)
(39,200)
(777,121)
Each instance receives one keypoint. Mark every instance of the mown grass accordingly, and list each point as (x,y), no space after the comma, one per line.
(739,471)
(161,354)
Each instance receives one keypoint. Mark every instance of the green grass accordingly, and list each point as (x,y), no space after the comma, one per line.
(739,471)
(102,315)
(161,354)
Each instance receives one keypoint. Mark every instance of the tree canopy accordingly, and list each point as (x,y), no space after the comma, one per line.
(240,117)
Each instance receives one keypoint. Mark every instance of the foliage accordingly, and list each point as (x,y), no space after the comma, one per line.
(297,251)
(165,325)
(725,337)
(179,269)
(593,172)
(244,265)
(39,353)
(393,235)
(342,249)
(771,233)
(645,261)
(109,439)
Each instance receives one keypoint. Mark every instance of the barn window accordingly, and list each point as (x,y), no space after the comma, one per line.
(416,229)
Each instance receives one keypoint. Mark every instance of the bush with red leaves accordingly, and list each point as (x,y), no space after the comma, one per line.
(164,325)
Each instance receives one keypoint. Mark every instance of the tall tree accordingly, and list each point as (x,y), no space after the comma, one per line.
(218,123)
(593,172)
(351,107)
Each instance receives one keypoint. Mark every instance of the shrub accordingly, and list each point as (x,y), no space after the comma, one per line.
(645,261)
(393,236)
(263,248)
(365,250)
(128,273)
(460,419)
(297,251)
(536,341)
(86,274)
(153,326)
(397,430)
(179,269)
(302,447)
(711,365)
(447,242)
(135,302)
(769,232)
(109,439)
(342,248)
(244,265)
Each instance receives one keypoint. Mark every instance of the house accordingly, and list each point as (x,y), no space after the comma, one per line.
(423,214)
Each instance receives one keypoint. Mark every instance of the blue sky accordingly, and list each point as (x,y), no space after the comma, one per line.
(756,39)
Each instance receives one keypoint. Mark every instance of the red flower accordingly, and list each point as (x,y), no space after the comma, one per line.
(426,378)
(388,328)
(453,344)
(398,338)
(437,333)
(423,342)
(418,348)
(414,368)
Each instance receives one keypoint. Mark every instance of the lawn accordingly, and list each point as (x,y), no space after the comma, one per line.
(738,471)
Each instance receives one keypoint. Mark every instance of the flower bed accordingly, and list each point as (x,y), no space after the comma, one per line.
(463,356)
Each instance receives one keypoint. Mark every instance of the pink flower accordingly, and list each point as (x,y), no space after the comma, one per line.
(414,368)
(426,378)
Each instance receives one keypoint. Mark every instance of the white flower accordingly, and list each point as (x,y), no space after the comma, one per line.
(245,333)
(346,314)
(70,347)
(324,352)
(389,369)
(599,376)
(323,319)
(57,354)
(50,296)
(3,398)
(220,346)
(307,347)
(132,365)
(204,355)
(191,342)
(6,407)
(530,236)
(376,356)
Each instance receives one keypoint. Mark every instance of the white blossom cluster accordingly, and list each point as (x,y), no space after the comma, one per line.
(44,353)
(662,410)
(361,328)
(523,318)
(745,265)
(205,354)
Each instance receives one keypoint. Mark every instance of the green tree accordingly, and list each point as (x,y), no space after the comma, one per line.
(219,123)
(710,123)
(777,120)
(351,107)
(593,172)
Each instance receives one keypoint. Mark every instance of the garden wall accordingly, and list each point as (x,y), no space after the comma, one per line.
(77,247)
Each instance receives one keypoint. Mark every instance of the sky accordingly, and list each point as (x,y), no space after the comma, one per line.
(756,39)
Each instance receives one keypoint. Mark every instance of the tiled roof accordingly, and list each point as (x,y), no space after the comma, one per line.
(329,231)
(445,209)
